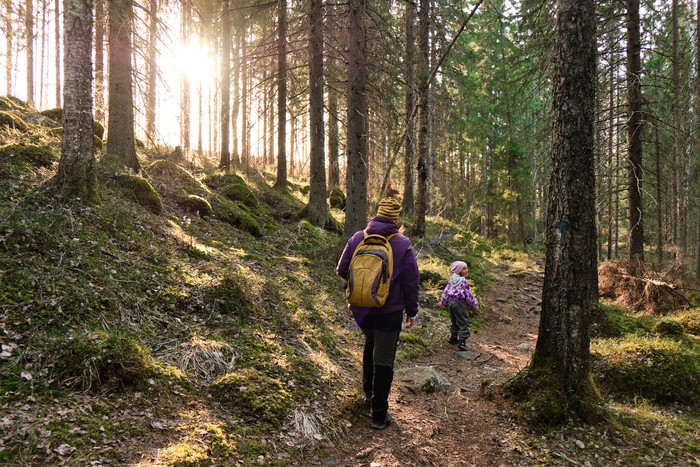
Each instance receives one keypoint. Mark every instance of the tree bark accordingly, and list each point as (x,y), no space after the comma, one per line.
(281,182)
(634,135)
(186,98)
(571,282)
(120,127)
(29,45)
(333,138)
(225,161)
(421,203)
(99,61)
(678,157)
(151,71)
(236,101)
(317,212)
(356,147)
(408,158)
(57,38)
(76,174)
(9,46)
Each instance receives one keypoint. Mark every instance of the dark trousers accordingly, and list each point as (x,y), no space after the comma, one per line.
(381,337)
(459,316)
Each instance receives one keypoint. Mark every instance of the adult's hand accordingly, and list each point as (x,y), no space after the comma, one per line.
(410,321)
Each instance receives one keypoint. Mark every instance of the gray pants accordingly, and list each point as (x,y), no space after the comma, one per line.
(459,316)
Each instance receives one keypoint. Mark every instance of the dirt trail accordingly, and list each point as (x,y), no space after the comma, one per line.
(461,425)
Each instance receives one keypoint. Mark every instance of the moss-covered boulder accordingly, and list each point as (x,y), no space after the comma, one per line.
(141,191)
(220,180)
(196,205)
(54,114)
(11,119)
(176,179)
(690,320)
(98,129)
(232,213)
(659,369)
(11,103)
(41,156)
(252,392)
(336,198)
(241,192)
(98,360)
(669,327)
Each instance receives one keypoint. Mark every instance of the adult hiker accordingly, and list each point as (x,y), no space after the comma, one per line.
(379,313)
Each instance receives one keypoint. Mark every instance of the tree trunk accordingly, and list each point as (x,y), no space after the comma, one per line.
(571,282)
(236,104)
(634,135)
(697,116)
(57,37)
(29,45)
(43,79)
(421,204)
(9,74)
(151,71)
(185,103)
(281,182)
(333,138)
(356,147)
(225,161)
(678,157)
(408,158)
(120,127)
(99,61)
(245,129)
(76,173)
(611,149)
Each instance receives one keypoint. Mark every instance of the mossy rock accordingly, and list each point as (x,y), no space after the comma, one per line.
(669,327)
(221,180)
(41,156)
(195,204)
(337,199)
(12,120)
(254,393)
(660,369)
(11,103)
(231,213)
(229,297)
(98,129)
(690,320)
(141,191)
(174,174)
(98,360)
(54,114)
(241,192)
(609,321)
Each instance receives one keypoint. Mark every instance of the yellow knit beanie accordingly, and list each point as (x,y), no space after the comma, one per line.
(389,208)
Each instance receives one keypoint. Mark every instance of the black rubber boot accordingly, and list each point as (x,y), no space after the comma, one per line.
(368,372)
(383,376)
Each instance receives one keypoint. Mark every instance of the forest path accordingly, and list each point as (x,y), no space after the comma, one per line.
(463,424)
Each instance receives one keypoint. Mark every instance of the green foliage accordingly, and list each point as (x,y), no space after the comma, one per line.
(97,360)
(142,192)
(232,213)
(669,327)
(660,369)
(255,393)
(690,320)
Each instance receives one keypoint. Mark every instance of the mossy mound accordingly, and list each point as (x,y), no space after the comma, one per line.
(196,205)
(99,360)
(337,199)
(176,180)
(669,327)
(659,369)
(54,114)
(690,320)
(221,180)
(40,156)
(10,119)
(614,321)
(254,393)
(231,213)
(141,191)
(241,192)
(229,298)
(98,129)
(11,103)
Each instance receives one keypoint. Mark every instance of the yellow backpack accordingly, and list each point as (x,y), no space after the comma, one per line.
(371,268)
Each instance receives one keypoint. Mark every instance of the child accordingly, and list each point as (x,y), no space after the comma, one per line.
(458,297)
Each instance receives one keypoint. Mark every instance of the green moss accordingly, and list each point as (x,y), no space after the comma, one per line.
(11,120)
(229,297)
(659,369)
(186,454)
(196,205)
(690,320)
(54,114)
(669,327)
(41,156)
(176,175)
(337,199)
(613,321)
(99,360)
(241,192)
(231,213)
(98,129)
(141,191)
(221,180)
(254,393)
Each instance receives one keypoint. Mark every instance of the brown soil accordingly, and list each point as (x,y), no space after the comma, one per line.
(465,424)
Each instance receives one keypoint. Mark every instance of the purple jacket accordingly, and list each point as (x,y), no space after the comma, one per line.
(459,290)
(403,291)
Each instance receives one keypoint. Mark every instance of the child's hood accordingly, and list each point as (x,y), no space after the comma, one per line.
(456,278)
